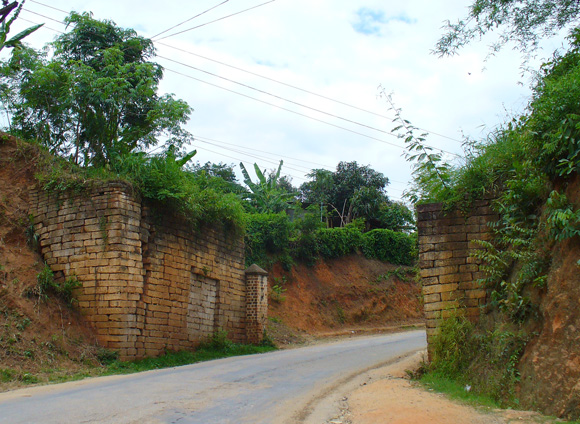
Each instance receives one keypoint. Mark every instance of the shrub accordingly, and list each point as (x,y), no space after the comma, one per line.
(47,284)
(337,242)
(267,238)
(390,246)
(486,360)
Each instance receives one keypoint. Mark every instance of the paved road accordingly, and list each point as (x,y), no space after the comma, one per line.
(277,387)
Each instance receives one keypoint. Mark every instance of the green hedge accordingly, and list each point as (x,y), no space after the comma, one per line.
(272,237)
(390,246)
(337,242)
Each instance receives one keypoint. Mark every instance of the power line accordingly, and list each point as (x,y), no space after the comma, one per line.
(303,170)
(265,160)
(44,16)
(205,139)
(216,20)
(50,7)
(280,98)
(190,19)
(297,88)
(44,26)
(328,167)
(300,114)
(241,160)
(294,112)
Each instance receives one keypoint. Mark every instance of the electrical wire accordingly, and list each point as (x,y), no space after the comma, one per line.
(216,20)
(282,98)
(297,88)
(328,167)
(256,74)
(44,26)
(50,7)
(301,114)
(190,19)
(46,17)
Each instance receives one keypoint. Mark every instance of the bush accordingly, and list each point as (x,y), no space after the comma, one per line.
(486,360)
(390,246)
(45,284)
(304,244)
(267,238)
(337,242)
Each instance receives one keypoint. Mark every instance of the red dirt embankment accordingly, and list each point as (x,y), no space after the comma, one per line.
(550,367)
(347,294)
(40,339)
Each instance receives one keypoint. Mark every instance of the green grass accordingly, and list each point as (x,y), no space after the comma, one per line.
(456,390)
(175,359)
(216,348)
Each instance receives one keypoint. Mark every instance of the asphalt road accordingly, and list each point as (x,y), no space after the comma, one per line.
(277,387)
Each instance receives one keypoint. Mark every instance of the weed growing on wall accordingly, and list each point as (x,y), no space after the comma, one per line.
(46,284)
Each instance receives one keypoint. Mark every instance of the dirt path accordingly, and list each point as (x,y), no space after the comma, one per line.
(386,395)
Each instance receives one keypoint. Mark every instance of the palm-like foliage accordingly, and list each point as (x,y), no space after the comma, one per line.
(265,195)
(16,41)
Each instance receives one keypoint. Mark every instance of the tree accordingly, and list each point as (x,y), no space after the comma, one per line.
(265,196)
(352,191)
(524,22)
(221,170)
(96,98)
(394,216)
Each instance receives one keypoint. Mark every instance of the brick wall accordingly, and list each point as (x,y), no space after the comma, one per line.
(448,271)
(149,282)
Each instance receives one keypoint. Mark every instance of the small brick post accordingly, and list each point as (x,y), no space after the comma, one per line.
(256,303)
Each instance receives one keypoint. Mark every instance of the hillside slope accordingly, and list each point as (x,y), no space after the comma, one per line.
(550,367)
(41,338)
(351,293)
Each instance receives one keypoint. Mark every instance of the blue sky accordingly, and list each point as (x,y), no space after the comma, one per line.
(372,21)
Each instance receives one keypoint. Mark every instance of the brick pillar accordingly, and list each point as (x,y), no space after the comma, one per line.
(256,303)
(449,272)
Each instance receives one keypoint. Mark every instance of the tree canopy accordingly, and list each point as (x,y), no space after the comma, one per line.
(352,191)
(96,97)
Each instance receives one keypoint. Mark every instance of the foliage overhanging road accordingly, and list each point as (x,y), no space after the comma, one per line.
(268,388)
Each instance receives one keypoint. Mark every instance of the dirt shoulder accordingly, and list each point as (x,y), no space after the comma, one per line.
(386,395)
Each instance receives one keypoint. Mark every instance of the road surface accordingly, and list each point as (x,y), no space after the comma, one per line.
(272,388)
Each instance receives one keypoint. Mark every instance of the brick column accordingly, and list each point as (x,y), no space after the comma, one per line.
(256,303)
(449,273)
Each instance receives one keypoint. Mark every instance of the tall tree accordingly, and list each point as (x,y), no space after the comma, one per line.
(350,192)
(96,98)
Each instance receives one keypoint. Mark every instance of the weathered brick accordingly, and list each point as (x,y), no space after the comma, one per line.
(131,317)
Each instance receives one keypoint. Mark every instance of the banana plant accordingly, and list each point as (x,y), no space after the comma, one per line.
(264,195)
(16,41)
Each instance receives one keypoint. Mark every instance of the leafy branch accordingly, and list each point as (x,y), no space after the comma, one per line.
(428,165)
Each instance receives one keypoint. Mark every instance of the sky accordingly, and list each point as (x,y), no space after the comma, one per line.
(308,77)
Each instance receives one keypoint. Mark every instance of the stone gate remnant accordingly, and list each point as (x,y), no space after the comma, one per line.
(449,273)
(150,283)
